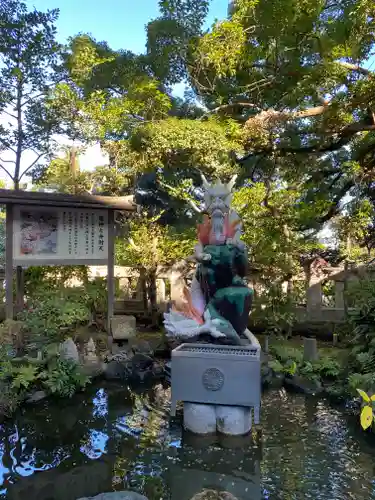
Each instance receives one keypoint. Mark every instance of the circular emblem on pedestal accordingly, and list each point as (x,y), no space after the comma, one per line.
(213,379)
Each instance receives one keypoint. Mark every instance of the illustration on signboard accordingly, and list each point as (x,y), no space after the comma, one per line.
(38,233)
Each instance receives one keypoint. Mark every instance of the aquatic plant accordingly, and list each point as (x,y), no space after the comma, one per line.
(367,412)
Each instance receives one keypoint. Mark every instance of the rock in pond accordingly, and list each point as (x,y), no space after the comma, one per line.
(266,375)
(135,367)
(214,495)
(303,385)
(36,396)
(117,495)
(140,346)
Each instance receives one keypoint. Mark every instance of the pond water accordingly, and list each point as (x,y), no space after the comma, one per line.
(115,438)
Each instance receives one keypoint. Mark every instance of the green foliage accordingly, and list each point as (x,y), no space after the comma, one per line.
(289,368)
(184,144)
(328,367)
(54,315)
(270,67)
(170,37)
(285,353)
(355,229)
(6,367)
(151,245)
(289,360)
(29,55)
(274,310)
(24,377)
(362,319)
(367,412)
(9,400)
(50,317)
(63,378)
(19,376)
(365,380)
(105,93)
(53,277)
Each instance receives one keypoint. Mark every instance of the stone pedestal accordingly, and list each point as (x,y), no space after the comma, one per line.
(310,350)
(123,327)
(208,419)
(200,418)
(233,420)
(219,385)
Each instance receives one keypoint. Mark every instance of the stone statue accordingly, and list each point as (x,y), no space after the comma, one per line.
(218,302)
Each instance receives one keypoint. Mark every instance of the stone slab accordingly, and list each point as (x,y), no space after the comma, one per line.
(123,327)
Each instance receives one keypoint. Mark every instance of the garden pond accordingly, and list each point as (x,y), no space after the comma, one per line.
(115,438)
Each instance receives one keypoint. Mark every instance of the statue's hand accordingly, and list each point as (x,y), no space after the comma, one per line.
(230,241)
(206,257)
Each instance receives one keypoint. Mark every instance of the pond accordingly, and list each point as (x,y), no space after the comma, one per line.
(115,438)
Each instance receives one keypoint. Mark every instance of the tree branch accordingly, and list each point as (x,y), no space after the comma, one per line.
(355,67)
(9,114)
(336,205)
(345,135)
(137,248)
(7,172)
(31,166)
(6,145)
(7,161)
(174,190)
(224,107)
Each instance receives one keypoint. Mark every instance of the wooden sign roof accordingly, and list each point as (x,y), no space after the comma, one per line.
(90,201)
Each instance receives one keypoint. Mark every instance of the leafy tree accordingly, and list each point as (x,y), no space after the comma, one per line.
(104,93)
(64,174)
(293,73)
(29,56)
(151,246)
(355,230)
(169,37)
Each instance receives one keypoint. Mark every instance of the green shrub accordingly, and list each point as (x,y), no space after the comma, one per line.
(361,361)
(51,315)
(274,310)
(289,360)
(285,353)
(328,368)
(63,378)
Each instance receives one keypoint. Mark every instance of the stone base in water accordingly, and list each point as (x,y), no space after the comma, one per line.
(207,419)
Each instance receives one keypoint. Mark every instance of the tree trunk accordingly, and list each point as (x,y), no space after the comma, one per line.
(17,170)
(73,167)
(152,297)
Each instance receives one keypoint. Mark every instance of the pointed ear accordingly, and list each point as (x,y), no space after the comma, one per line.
(206,184)
(232,182)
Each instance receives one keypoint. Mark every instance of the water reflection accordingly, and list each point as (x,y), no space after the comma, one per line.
(115,438)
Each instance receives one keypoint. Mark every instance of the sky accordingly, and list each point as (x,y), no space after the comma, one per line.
(121,23)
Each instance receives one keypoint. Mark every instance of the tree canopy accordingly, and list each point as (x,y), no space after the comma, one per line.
(280,92)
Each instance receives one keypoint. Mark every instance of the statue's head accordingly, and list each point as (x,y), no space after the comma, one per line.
(218,196)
